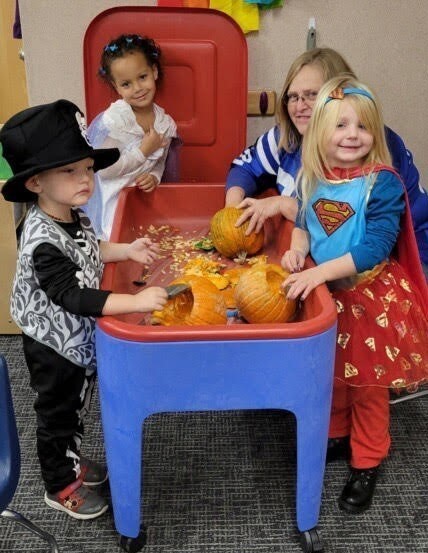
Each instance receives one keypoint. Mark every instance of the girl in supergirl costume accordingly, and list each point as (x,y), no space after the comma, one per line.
(354,221)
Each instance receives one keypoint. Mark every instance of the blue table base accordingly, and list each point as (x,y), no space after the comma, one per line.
(138,379)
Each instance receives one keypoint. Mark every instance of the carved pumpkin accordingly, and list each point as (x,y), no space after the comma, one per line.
(203,304)
(207,268)
(259,296)
(229,240)
(232,276)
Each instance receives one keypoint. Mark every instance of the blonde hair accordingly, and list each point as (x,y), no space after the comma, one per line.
(331,63)
(325,116)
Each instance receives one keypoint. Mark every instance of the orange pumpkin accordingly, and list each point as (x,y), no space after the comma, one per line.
(230,240)
(259,296)
(232,275)
(203,304)
(207,268)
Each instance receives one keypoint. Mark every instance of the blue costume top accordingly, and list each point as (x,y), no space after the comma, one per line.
(262,166)
(360,216)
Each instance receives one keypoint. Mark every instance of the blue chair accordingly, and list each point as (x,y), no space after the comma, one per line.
(10,459)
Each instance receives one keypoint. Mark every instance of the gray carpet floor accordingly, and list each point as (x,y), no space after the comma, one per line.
(224,482)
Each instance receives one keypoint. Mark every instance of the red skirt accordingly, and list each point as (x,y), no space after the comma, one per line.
(382,337)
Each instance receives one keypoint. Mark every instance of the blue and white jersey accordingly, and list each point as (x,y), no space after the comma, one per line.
(262,166)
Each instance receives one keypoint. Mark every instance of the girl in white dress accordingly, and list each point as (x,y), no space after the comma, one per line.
(134,124)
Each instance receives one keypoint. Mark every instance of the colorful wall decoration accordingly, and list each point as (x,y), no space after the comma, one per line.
(244,12)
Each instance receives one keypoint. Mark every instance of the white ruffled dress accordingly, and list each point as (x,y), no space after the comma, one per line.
(117,127)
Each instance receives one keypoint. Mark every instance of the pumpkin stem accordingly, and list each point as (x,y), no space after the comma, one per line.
(240,258)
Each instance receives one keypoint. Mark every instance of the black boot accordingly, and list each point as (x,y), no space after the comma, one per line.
(359,489)
(338,449)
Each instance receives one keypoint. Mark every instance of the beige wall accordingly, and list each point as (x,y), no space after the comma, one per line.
(384,41)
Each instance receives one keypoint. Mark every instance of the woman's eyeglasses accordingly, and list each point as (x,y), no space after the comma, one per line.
(308,96)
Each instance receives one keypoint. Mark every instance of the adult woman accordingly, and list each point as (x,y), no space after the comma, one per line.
(274,160)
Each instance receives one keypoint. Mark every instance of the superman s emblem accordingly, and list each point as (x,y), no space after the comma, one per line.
(331,214)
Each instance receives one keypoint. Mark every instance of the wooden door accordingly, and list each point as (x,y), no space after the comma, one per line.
(13,89)
(13,98)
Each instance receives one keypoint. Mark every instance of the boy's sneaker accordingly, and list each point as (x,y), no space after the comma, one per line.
(77,501)
(92,473)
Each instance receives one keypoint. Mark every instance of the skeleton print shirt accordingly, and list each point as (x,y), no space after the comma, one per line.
(55,293)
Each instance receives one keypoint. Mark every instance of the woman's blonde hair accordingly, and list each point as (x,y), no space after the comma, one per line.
(325,116)
(331,63)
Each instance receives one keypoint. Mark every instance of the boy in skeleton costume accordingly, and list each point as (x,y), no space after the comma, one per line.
(56,295)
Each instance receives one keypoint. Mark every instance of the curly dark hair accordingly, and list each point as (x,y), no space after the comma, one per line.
(123,45)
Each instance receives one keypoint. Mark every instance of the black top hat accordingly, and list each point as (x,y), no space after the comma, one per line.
(44,137)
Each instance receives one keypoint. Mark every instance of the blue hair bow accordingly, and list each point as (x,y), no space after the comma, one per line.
(111,48)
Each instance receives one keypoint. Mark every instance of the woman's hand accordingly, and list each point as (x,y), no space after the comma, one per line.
(301,284)
(146,182)
(257,211)
(143,250)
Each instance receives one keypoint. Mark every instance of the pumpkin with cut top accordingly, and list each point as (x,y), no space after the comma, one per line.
(232,275)
(231,241)
(259,296)
(201,304)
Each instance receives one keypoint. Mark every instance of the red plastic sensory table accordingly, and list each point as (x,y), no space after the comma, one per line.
(146,369)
